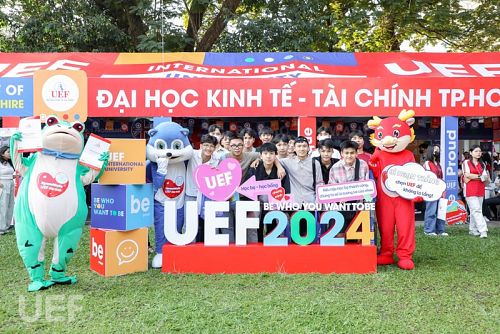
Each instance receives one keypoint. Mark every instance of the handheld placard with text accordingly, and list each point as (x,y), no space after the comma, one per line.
(31,131)
(93,150)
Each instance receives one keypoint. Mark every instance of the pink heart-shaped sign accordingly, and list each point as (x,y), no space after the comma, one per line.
(219,183)
(278,194)
(52,186)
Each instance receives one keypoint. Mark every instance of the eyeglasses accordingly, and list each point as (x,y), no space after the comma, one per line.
(236,146)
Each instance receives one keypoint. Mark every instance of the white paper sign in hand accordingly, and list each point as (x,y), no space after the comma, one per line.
(31,131)
(412,180)
(93,150)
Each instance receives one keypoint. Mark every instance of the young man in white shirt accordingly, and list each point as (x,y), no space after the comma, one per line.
(205,155)
(202,156)
(302,170)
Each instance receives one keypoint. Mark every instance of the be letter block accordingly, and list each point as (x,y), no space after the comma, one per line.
(122,207)
(117,253)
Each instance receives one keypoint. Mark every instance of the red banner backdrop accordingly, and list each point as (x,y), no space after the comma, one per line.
(271,64)
(276,84)
(217,97)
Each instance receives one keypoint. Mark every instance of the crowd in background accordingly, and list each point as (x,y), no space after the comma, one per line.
(304,169)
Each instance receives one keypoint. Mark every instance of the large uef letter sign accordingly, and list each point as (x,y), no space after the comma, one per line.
(307,237)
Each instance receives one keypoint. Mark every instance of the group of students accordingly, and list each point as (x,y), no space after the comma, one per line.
(280,157)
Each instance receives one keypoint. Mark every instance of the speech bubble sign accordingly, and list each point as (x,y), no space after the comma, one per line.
(343,192)
(219,183)
(411,180)
(127,251)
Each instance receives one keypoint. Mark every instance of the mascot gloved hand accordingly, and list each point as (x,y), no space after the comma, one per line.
(168,151)
(391,137)
(51,200)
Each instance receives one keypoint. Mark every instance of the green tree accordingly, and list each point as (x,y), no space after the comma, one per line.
(363,25)
(106,25)
(247,25)
(58,26)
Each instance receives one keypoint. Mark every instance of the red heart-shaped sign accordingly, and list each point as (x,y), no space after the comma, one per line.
(278,194)
(52,186)
(171,189)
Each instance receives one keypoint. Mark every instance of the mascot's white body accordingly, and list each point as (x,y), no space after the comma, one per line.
(168,151)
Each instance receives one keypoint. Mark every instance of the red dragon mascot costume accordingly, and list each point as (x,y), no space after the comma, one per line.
(391,137)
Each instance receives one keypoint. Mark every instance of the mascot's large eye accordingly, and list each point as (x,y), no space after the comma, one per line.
(160,144)
(379,135)
(395,133)
(177,145)
(51,121)
(78,127)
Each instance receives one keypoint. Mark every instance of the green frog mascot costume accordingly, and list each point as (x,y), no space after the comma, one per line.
(51,200)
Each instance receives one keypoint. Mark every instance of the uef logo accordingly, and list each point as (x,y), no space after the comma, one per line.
(60,93)
(127,251)
(58,308)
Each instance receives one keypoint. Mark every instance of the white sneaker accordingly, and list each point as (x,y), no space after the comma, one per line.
(444,234)
(157,261)
(432,234)
(483,235)
(486,219)
(476,234)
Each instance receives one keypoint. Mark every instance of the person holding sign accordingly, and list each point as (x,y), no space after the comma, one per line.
(325,159)
(205,155)
(267,170)
(394,213)
(51,200)
(475,176)
(433,225)
(300,169)
(245,159)
(349,169)
(304,173)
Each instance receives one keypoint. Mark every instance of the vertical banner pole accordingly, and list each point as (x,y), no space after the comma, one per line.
(449,155)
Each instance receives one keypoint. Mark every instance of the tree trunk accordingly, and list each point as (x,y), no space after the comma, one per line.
(124,18)
(195,14)
(213,32)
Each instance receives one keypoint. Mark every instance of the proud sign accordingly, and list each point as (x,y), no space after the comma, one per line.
(412,180)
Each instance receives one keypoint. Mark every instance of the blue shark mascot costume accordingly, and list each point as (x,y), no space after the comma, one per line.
(167,151)
(51,200)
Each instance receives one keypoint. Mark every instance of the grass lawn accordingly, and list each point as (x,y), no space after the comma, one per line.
(454,289)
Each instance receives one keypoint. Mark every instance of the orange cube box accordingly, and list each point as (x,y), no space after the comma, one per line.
(115,253)
(127,162)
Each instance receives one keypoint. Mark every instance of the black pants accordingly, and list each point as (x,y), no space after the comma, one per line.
(491,204)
